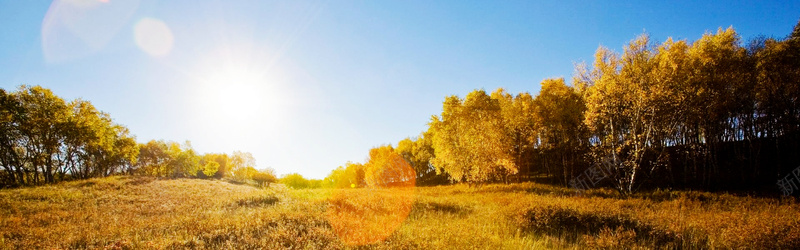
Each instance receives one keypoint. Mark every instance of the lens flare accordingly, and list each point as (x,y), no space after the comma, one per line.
(370,215)
(153,37)
(74,29)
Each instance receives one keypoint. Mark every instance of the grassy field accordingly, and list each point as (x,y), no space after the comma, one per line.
(140,212)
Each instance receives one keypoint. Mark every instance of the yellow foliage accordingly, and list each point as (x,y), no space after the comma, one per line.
(470,140)
(387,168)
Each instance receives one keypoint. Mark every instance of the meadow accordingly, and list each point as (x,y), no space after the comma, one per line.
(146,212)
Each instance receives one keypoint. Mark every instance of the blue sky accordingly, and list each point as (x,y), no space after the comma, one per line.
(309,85)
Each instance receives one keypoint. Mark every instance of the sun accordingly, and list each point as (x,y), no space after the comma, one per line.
(239,93)
(234,98)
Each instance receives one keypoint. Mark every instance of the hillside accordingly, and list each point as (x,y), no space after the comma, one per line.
(143,212)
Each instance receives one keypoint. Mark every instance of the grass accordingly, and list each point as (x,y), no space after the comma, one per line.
(141,212)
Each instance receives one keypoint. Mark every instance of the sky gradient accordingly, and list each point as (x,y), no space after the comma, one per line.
(309,85)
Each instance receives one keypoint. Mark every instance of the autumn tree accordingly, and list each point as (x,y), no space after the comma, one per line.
(562,134)
(622,108)
(214,165)
(520,126)
(95,145)
(242,165)
(720,100)
(418,152)
(778,88)
(351,175)
(387,168)
(296,181)
(264,177)
(208,169)
(469,140)
(153,158)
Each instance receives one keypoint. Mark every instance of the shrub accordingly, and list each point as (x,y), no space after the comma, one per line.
(264,177)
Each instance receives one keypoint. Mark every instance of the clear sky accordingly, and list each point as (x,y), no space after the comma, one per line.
(309,85)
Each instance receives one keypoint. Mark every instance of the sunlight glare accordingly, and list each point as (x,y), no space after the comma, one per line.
(380,208)
(234,98)
(73,29)
(238,98)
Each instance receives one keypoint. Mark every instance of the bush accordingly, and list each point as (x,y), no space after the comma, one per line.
(597,227)
(295,180)
(264,177)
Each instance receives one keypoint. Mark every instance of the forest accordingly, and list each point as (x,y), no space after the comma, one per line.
(718,113)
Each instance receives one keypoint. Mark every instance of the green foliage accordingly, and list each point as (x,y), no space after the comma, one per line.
(46,139)
(169,159)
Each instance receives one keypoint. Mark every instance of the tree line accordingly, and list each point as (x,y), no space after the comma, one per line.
(716,113)
(45,139)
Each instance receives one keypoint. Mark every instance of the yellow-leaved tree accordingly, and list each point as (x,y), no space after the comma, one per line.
(520,125)
(242,165)
(562,134)
(469,140)
(387,168)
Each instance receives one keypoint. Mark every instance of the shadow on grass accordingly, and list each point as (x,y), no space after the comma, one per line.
(571,224)
(422,207)
(258,201)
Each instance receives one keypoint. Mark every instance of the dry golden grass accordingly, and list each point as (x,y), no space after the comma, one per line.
(140,212)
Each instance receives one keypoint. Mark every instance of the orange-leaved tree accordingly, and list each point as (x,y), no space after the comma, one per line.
(387,168)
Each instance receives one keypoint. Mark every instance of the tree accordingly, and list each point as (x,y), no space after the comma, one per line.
(44,139)
(717,91)
(94,145)
(12,158)
(126,150)
(43,130)
(469,140)
(153,158)
(520,125)
(265,177)
(349,176)
(418,152)
(224,165)
(387,168)
(209,169)
(563,137)
(221,166)
(295,180)
(621,110)
(242,165)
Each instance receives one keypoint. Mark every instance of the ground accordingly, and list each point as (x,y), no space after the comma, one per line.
(143,212)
